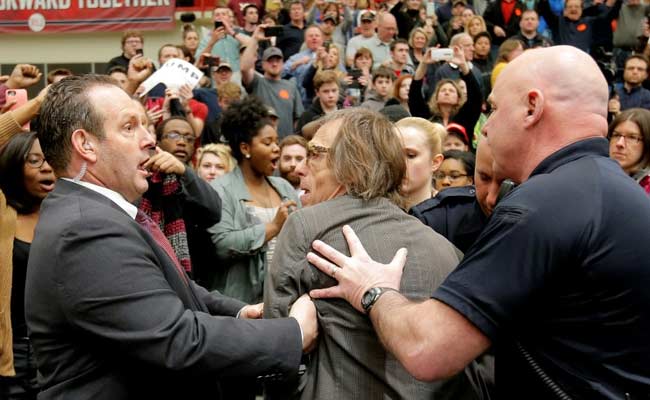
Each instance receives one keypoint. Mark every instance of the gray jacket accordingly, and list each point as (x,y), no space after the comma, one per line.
(350,362)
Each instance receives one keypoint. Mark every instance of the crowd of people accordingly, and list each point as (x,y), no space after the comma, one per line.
(152,237)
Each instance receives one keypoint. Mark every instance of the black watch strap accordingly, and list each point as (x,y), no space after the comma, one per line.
(371,296)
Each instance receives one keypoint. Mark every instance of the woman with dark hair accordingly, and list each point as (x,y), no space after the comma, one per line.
(25,179)
(255,204)
(457,169)
(407,16)
(629,144)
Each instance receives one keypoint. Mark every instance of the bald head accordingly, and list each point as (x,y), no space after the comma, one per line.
(386,27)
(567,76)
(545,99)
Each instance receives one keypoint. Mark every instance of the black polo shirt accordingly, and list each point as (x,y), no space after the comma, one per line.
(563,266)
(291,40)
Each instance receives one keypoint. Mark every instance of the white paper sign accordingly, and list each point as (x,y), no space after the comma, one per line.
(174,74)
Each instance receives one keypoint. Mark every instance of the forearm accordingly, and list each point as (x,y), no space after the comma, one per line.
(270,231)
(247,60)
(8,127)
(421,70)
(431,340)
(28,111)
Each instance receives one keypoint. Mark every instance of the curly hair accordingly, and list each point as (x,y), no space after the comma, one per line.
(242,121)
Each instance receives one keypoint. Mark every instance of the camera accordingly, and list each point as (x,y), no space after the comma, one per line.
(212,61)
(218,24)
(273,31)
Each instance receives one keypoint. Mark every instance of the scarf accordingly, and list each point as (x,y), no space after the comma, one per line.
(162,203)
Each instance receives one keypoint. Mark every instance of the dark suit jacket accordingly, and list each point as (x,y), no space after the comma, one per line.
(110,318)
(350,362)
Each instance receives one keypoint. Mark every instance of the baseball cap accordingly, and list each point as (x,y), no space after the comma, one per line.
(272,112)
(330,17)
(367,15)
(459,130)
(272,52)
(456,2)
(222,65)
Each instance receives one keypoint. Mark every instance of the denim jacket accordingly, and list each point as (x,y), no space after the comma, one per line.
(239,238)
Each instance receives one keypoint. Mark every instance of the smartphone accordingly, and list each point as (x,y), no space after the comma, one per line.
(431,8)
(20,96)
(436,54)
(212,61)
(273,31)
(327,44)
(355,74)
(218,24)
(139,51)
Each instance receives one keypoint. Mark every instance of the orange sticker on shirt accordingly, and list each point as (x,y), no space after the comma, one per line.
(517,12)
(581,27)
(284,94)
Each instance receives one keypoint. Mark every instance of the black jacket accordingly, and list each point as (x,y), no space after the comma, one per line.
(455,214)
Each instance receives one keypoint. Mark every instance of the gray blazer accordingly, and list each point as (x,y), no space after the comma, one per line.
(350,362)
(239,238)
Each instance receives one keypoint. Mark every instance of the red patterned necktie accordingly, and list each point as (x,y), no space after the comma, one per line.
(150,226)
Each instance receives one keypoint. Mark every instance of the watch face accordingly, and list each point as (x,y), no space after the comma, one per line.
(368,298)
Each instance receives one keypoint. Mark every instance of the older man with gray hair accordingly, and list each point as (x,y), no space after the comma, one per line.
(355,165)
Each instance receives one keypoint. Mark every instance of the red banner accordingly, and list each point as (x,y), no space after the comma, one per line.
(85,15)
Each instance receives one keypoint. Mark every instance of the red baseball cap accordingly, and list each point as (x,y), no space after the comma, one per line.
(459,129)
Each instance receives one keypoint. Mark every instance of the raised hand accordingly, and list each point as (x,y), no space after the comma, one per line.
(357,273)
(23,76)
(165,162)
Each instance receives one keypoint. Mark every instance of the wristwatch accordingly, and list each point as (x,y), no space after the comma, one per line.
(371,296)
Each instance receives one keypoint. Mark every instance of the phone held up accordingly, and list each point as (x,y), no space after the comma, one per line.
(20,97)
(436,54)
(271,31)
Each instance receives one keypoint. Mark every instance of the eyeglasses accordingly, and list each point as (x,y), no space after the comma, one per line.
(632,139)
(314,150)
(177,137)
(34,160)
(133,41)
(453,176)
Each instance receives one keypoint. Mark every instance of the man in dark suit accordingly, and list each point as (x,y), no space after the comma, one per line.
(111,312)
(350,362)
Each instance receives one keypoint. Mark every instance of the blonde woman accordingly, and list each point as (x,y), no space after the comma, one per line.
(475,25)
(422,142)
(418,41)
(215,160)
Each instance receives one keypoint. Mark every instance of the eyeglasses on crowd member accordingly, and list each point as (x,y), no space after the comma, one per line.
(457,169)
(25,180)
(629,144)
